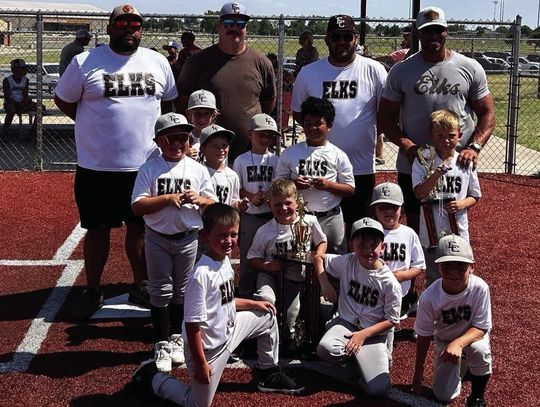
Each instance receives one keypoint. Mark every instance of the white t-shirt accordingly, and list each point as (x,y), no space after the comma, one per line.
(17,88)
(226,185)
(366,297)
(118,102)
(275,238)
(354,90)
(210,301)
(403,251)
(447,316)
(326,161)
(458,182)
(256,171)
(159,177)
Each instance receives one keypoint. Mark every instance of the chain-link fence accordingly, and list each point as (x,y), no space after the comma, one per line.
(44,139)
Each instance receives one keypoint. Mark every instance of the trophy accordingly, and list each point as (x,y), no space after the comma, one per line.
(301,231)
(436,199)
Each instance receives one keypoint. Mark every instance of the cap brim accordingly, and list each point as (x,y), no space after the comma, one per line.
(445,25)
(245,16)
(227,133)
(389,201)
(445,259)
(375,230)
(277,133)
(201,107)
(188,128)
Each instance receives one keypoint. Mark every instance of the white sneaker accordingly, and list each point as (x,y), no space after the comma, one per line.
(162,356)
(177,349)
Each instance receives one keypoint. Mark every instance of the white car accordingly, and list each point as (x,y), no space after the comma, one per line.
(49,76)
(525,65)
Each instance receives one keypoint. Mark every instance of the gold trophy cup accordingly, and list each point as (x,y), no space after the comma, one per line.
(301,231)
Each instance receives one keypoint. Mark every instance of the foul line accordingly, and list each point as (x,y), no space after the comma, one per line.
(39,327)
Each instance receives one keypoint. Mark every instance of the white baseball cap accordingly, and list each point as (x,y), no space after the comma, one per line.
(264,122)
(233,8)
(213,130)
(387,192)
(367,224)
(454,248)
(202,98)
(168,120)
(431,16)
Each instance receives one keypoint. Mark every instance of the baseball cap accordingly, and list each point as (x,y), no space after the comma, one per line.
(168,120)
(82,33)
(171,44)
(341,22)
(202,98)
(387,192)
(367,224)
(214,130)
(125,10)
(18,63)
(430,16)
(233,9)
(264,122)
(454,248)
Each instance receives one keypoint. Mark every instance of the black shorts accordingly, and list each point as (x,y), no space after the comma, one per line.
(104,198)
(357,206)
(411,204)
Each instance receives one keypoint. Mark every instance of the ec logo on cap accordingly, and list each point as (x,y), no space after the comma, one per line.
(202,97)
(127,9)
(386,191)
(268,121)
(235,8)
(366,222)
(453,247)
(431,15)
(175,119)
(340,22)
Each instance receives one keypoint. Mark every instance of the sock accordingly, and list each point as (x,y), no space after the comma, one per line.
(478,386)
(160,322)
(176,318)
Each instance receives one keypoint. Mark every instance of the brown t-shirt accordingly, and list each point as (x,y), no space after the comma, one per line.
(239,82)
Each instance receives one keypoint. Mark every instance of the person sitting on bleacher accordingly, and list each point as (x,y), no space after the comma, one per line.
(15,88)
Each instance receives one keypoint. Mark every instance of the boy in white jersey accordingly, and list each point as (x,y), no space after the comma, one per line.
(214,328)
(215,142)
(275,237)
(455,311)
(256,169)
(368,305)
(169,191)
(402,249)
(435,173)
(321,171)
(201,112)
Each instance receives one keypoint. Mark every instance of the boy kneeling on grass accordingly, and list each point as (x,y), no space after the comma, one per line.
(456,312)
(214,328)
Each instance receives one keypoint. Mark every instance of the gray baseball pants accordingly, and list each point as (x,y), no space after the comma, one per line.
(248,325)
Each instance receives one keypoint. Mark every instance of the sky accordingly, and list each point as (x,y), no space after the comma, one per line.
(455,10)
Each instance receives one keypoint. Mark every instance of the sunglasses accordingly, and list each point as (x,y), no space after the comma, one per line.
(135,25)
(176,137)
(228,23)
(347,37)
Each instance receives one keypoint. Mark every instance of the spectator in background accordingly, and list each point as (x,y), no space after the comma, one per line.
(82,39)
(189,48)
(172,49)
(286,94)
(241,78)
(307,53)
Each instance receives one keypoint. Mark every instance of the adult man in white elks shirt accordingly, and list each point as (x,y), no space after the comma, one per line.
(113,93)
(353,84)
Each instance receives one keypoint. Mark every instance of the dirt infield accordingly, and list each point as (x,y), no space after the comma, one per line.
(47,359)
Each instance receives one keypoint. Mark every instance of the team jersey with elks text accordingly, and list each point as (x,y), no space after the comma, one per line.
(457,182)
(366,297)
(402,250)
(326,161)
(354,90)
(118,102)
(159,177)
(210,301)
(449,316)
(256,172)
(275,238)
(226,185)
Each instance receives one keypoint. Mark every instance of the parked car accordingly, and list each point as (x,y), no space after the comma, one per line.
(501,61)
(49,76)
(473,55)
(533,57)
(525,65)
(489,66)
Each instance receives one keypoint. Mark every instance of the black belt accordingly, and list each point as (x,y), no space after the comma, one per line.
(335,210)
(176,236)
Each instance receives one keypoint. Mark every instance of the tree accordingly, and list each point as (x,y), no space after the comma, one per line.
(208,25)
(266,28)
(480,31)
(525,30)
(296,28)
(317,27)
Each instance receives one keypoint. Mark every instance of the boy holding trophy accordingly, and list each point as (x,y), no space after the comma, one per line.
(445,189)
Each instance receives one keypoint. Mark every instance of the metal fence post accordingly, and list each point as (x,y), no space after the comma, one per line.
(513,105)
(281,58)
(39,94)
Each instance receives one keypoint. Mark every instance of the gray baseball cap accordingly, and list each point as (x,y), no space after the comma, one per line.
(202,98)
(431,16)
(387,192)
(454,248)
(214,130)
(233,8)
(168,120)
(125,10)
(264,122)
(171,44)
(367,224)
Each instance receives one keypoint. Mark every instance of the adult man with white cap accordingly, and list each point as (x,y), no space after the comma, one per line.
(431,79)
(82,39)
(113,94)
(241,78)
